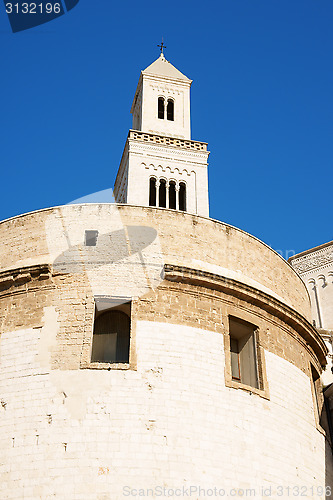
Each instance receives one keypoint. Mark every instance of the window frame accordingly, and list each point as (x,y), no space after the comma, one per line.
(85,361)
(95,347)
(230,381)
(318,400)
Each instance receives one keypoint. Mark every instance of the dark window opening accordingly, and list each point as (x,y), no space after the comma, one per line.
(161,108)
(172,195)
(111,339)
(170,110)
(243,352)
(162,193)
(182,196)
(91,238)
(152,192)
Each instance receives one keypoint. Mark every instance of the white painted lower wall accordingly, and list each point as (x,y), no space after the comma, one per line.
(89,434)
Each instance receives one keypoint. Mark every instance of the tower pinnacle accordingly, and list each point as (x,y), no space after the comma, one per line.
(161,47)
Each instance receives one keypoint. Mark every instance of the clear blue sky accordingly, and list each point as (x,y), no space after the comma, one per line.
(261,97)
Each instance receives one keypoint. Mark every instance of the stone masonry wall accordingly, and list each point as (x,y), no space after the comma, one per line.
(169,418)
(172,423)
(183,239)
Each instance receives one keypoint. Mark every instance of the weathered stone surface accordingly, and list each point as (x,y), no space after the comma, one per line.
(171,414)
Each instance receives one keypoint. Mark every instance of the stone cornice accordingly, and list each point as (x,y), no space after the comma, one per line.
(163,140)
(170,154)
(313,259)
(250,294)
(22,275)
(165,79)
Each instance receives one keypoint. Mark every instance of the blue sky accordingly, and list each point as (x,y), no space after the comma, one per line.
(261,97)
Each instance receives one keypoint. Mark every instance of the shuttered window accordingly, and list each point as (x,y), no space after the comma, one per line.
(111,338)
(243,352)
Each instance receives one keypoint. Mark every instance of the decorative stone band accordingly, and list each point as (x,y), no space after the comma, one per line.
(167,141)
(313,260)
(36,276)
(252,295)
(20,276)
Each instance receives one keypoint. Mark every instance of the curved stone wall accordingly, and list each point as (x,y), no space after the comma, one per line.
(172,417)
(185,239)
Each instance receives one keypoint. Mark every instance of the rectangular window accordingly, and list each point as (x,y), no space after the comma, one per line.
(112,325)
(91,238)
(243,352)
(322,412)
(316,391)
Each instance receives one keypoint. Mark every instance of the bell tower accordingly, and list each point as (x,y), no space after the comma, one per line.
(161,103)
(161,165)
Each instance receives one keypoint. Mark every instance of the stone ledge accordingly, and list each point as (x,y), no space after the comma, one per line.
(167,141)
(105,366)
(20,276)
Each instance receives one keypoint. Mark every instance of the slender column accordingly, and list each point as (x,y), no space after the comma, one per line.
(316,301)
(157,192)
(167,194)
(177,196)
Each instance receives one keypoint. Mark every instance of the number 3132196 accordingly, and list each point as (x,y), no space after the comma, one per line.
(33,8)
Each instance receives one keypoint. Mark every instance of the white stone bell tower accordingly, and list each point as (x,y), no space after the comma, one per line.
(161,166)
(161,103)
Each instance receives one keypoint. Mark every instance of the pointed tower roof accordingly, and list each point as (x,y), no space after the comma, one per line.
(162,67)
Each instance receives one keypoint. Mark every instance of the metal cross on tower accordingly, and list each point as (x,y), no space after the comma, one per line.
(162,46)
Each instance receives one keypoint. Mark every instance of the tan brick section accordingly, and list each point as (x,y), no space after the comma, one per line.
(186,240)
(28,290)
(22,306)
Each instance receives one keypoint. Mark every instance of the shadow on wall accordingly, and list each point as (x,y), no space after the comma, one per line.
(101,249)
(326,422)
(328,471)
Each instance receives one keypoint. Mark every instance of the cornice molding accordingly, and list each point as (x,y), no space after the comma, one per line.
(256,297)
(198,158)
(313,260)
(162,140)
(22,275)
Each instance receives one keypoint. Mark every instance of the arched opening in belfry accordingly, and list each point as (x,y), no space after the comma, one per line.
(162,193)
(152,192)
(182,196)
(170,110)
(161,107)
(172,194)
